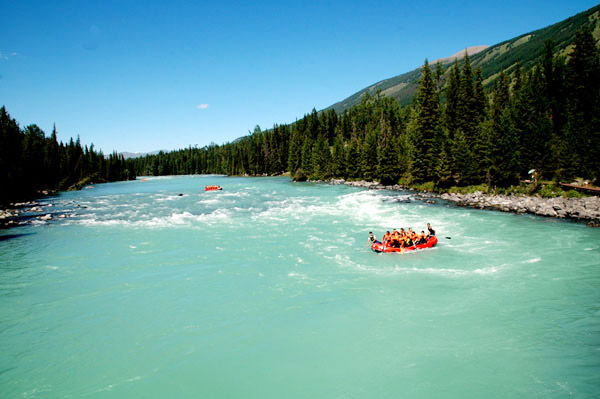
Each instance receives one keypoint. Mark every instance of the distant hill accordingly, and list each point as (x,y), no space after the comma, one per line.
(128,155)
(526,49)
(461,54)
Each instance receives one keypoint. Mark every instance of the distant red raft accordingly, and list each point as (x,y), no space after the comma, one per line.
(431,242)
(212,188)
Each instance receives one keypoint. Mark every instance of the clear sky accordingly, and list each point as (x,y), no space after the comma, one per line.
(148,75)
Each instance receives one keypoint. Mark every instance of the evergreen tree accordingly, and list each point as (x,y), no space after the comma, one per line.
(453,92)
(423,157)
(504,155)
(353,158)
(463,160)
(338,158)
(468,115)
(522,111)
(295,152)
(368,156)
(583,120)
(306,163)
(437,76)
(443,172)
(387,157)
(479,98)
(321,159)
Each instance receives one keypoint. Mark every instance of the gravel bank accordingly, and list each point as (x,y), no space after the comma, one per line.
(582,209)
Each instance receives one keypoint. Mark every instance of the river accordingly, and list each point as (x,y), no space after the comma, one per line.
(266,289)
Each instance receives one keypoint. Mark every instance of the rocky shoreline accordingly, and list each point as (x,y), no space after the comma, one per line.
(30,212)
(580,209)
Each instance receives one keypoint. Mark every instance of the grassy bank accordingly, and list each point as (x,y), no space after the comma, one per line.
(542,189)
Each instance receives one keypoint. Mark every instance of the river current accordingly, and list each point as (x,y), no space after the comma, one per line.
(267,289)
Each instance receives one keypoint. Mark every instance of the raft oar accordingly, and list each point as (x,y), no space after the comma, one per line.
(448,238)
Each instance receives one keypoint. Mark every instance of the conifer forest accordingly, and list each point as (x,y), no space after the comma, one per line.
(31,162)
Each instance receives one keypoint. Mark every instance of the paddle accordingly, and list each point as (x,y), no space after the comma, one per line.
(448,238)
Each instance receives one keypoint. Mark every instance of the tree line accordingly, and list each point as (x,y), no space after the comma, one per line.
(31,162)
(455,132)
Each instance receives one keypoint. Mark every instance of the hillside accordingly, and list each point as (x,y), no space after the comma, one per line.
(526,49)
(128,155)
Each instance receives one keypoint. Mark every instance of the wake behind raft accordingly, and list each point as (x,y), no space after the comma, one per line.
(378,247)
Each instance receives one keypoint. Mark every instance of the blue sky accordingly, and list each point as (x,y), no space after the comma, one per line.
(141,76)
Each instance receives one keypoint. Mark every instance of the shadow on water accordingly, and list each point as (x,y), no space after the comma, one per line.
(7,237)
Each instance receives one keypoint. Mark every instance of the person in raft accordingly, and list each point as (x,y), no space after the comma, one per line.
(422,238)
(372,239)
(395,239)
(430,230)
(386,237)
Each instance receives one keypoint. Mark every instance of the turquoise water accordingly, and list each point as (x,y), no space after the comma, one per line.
(266,289)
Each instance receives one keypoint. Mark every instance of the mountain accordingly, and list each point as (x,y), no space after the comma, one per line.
(525,49)
(461,54)
(128,155)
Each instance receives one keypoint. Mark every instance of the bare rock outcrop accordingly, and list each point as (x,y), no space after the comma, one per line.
(584,209)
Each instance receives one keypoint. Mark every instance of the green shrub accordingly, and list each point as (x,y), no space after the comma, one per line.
(573,194)
(520,189)
(404,181)
(550,191)
(469,189)
(300,175)
(428,186)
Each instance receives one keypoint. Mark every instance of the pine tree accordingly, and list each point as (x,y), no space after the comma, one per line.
(583,120)
(504,154)
(453,92)
(443,172)
(521,114)
(463,160)
(353,158)
(338,158)
(294,152)
(480,141)
(387,156)
(306,163)
(480,101)
(423,157)
(368,156)
(467,109)
(321,159)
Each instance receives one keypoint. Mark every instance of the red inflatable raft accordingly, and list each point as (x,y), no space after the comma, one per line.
(212,188)
(431,242)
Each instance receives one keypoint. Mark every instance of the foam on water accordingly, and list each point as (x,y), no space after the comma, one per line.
(534,260)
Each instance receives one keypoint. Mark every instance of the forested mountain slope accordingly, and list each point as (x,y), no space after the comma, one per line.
(526,49)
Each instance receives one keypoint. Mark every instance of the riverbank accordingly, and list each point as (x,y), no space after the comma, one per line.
(31,212)
(586,209)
